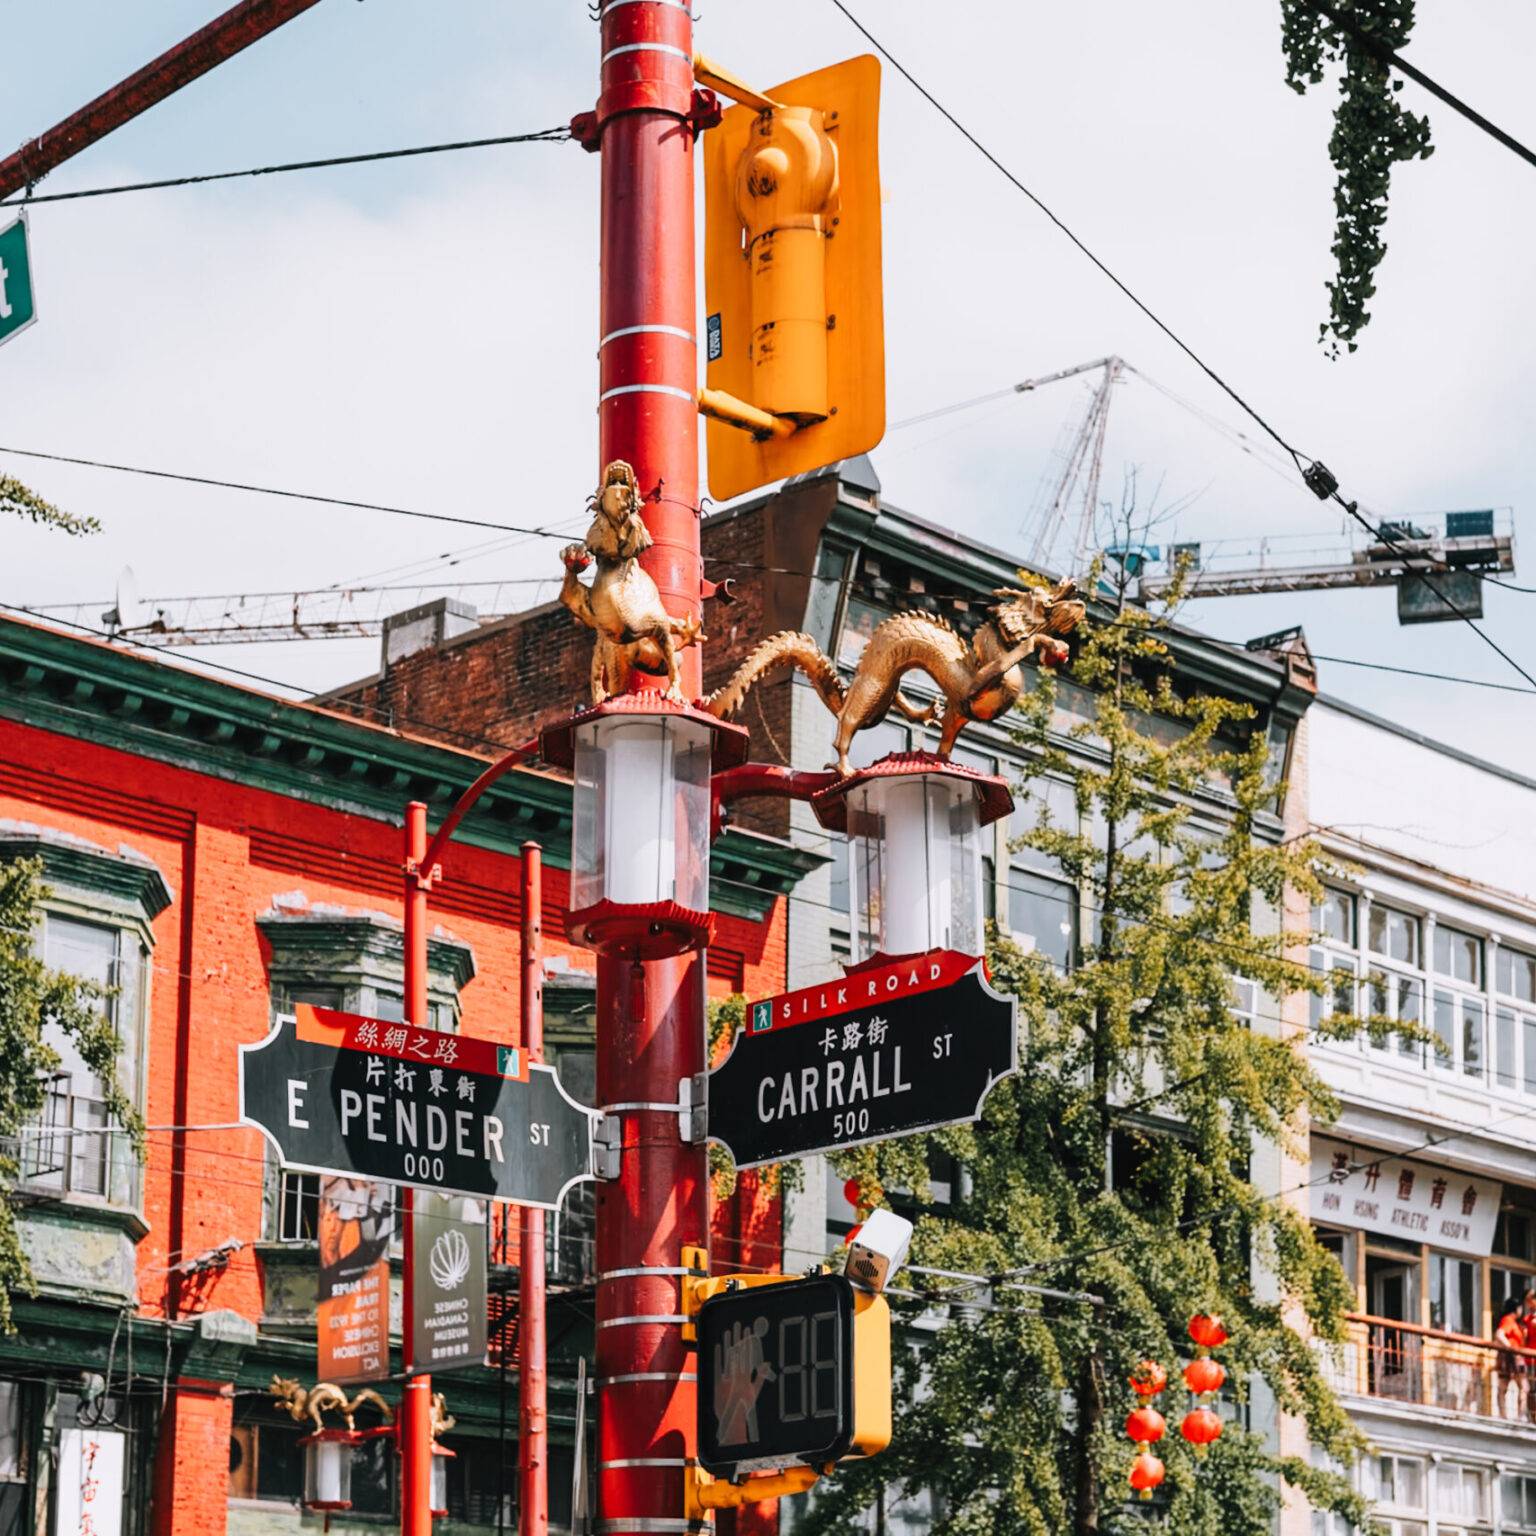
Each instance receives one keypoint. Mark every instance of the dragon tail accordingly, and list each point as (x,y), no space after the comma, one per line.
(787,648)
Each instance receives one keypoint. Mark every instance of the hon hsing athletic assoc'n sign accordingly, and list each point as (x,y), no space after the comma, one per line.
(887,1051)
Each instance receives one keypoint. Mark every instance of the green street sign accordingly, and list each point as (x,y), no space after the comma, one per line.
(18,307)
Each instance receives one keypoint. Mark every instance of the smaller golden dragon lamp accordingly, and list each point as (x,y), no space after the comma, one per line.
(622,606)
(980,679)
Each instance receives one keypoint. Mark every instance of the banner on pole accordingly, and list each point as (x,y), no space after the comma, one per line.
(356,1219)
(445,1319)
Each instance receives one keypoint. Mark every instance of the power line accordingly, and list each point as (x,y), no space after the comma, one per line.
(1439,677)
(543,136)
(268,490)
(1388,55)
(1318,478)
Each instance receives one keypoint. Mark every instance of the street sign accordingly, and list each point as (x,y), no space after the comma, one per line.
(791,1373)
(888,1051)
(445,1316)
(341,1093)
(18,306)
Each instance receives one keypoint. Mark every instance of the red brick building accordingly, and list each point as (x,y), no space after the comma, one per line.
(218,854)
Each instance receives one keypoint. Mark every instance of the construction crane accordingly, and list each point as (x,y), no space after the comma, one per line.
(1437,563)
(329,613)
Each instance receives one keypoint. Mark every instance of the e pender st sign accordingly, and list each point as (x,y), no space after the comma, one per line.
(342,1093)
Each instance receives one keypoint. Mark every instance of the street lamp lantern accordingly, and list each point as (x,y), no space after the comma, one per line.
(914,823)
(438,1494)
(641,812)
(328,1468)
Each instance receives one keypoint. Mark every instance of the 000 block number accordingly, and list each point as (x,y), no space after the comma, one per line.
(418,1165)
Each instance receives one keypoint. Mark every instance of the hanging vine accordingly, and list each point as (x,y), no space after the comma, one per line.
(1372,132)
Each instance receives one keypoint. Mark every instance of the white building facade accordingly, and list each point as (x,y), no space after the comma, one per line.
(1425,1184)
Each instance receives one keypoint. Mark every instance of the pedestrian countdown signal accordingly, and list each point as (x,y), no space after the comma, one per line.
(792,1373)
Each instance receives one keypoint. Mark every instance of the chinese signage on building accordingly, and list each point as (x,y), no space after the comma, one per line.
(90,1498)
(445,1317)
(356,1220)
(1354,1187)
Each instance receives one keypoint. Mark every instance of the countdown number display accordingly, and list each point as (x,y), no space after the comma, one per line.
(776,1375)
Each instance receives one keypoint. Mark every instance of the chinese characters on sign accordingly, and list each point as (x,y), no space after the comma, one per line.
(341,1093)
(90,1482)
(445,1314)
(887,1051)
(1355,1187)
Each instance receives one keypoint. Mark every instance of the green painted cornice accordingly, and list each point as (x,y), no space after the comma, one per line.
(748,871)
(74,863)
(118,698)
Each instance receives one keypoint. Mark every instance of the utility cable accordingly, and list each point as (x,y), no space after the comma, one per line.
(1318,478)
(543,136)
(1388,55)
(268,490)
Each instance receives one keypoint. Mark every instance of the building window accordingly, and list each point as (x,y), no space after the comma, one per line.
(1517,975)
(1459,955)
(1042,902)
(1517,1501)
(1454,1303)
(74,1148)
(1394,935)
(1334,917)
(1461,1493)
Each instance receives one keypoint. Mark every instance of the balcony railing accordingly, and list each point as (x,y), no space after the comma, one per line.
(1407,1363)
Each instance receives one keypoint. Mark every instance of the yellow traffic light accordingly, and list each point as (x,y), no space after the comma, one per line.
(871,1374)
(795,354)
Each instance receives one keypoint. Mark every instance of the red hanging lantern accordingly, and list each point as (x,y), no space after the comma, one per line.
(1148,1379)
(853,1234)
(1146,1474)
(851,1192)
(1207,1331)
(1204,1375)
(1146,1426)
(1200,1428)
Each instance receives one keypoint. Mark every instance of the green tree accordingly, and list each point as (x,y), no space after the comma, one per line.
(1372,132)
(33,996)
(1013,1414)
(22,501)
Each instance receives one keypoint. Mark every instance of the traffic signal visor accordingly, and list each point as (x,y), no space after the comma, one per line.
(795,340)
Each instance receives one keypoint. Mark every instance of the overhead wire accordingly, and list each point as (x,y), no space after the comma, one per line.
(268,490)
(541,136)
(1315,475)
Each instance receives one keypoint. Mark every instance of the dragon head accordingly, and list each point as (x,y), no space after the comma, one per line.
(617,531)
(1037,610)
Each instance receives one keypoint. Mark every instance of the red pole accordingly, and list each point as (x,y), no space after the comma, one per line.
(650,1017)
(416,1406)
(222,38)
(533,1430)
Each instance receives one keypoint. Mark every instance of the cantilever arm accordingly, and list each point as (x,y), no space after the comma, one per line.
(497,770)
(762,779)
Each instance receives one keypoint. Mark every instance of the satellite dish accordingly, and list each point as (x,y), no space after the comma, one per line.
(127,611)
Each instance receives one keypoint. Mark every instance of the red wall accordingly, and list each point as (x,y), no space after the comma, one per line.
(226,850)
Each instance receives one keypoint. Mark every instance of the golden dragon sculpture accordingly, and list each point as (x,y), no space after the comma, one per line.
(622,606)
(980,679)
(301,1403)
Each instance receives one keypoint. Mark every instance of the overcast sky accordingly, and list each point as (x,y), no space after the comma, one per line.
(421,333)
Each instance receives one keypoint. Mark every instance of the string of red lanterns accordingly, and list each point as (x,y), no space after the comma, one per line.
(1204,1377)
(1201,1426)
